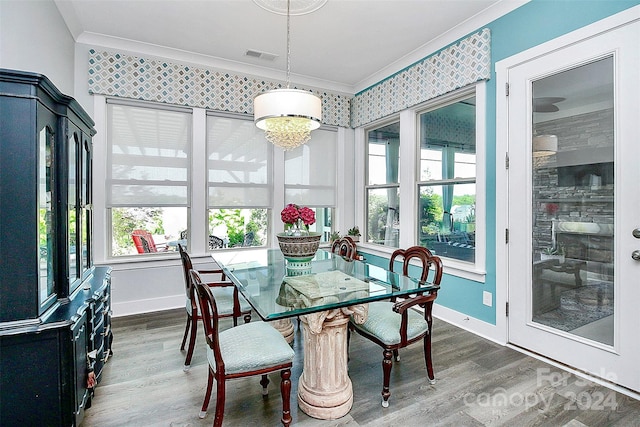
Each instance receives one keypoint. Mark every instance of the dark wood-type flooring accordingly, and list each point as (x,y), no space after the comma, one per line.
(479,383)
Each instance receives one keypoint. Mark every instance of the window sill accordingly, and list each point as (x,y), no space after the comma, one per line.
(452,267)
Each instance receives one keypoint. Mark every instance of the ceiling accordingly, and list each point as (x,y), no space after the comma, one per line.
(346,45)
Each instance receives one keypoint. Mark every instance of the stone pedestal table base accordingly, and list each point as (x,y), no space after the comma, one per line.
(324,389)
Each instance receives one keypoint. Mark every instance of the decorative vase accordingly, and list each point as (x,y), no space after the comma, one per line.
(299,249)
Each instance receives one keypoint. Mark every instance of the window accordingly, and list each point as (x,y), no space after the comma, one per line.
(310,178)
(173,173)
(447,180)
(148,176)
(239,188)
(383,186)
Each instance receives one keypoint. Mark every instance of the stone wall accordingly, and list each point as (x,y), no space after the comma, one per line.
(566,192)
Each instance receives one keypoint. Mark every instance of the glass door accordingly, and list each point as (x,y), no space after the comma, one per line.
(572,201)
(573,204)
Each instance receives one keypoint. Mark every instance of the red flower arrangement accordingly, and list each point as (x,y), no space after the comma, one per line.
(295,215)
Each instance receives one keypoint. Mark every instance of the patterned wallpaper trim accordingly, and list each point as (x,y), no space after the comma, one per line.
(456,66)
(127,76)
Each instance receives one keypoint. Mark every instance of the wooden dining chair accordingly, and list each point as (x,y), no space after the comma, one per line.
(346,247)
(396,324)
(247,350)
(230,303)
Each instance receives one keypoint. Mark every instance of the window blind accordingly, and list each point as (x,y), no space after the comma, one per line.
(149,156)
(310,171)
(238,158)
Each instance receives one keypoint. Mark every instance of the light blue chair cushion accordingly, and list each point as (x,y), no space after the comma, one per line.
(250,347)
(224,302)
(384,323)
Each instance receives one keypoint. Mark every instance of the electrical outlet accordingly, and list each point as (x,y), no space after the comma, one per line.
(487,298)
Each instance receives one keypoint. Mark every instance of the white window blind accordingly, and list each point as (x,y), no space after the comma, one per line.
(149,156)
(238,159)
(310,171)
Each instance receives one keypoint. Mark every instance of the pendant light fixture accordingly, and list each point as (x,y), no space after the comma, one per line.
(544,145)
(287,116)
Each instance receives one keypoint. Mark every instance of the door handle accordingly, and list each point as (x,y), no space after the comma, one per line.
(636,255)
(636,233)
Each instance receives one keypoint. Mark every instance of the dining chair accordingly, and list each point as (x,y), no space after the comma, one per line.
(250,349)
(396,324)
(346,247)
(216,242)
(230,304)
(144,243)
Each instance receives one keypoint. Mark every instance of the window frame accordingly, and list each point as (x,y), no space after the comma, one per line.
(442,181)
(382,186)
(471,270)
(268,185)
(409,179)
(109,205)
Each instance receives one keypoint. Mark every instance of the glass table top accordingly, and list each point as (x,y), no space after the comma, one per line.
(277,289)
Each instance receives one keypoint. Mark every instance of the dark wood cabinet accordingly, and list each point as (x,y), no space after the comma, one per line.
(55,312)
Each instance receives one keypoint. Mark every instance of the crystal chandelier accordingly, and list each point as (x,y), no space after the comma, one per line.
(287,116)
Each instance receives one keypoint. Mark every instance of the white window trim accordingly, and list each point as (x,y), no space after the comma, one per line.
(408,191)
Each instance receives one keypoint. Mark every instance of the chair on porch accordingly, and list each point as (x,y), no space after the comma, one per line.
(346,247)
(396,324)
(230,304)
(143,240)
(246,350)
(216,242)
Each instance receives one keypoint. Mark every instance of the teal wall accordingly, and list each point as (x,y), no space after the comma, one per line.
(532,24)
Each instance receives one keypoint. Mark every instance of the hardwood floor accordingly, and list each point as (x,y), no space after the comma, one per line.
(479,383)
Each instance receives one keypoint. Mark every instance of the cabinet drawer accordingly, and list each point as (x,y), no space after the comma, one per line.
(98,339)
(98,365)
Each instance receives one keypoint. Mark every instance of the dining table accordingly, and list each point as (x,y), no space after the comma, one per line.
(325,294)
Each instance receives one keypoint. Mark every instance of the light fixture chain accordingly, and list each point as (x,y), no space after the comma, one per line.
(288,42)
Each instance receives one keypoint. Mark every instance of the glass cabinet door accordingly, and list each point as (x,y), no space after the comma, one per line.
(86,206)
(72,231)
(46,228)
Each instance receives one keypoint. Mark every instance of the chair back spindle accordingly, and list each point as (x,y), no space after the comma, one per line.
(428,262)
(209,315)
(346,247)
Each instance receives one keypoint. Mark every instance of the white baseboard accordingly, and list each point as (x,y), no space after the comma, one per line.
(149,305)
(468,323)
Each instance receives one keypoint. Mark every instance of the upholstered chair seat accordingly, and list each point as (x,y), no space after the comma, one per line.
(251,347)
(383,323)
